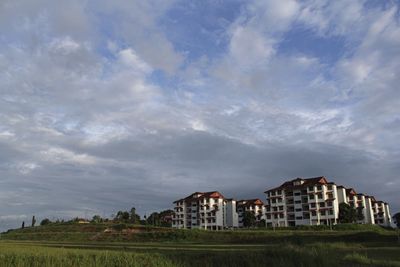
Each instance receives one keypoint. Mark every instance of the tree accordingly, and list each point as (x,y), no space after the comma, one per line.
(122,216)
(347,214)
(134,218)
(360,214)
(45,222)
(23,225)
(97,219)
(396,218)
(249,219)
(166,218)
(262,223)
(33,221)
(154,219)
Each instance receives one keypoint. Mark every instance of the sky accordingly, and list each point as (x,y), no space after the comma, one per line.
(105,105)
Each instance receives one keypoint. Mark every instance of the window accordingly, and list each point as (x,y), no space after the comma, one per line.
(329,203)
(320,196)
(322,212)
(297,194)
(280,207)
(311,196)
(279,200)
(279,192)
(319,188)
(269,216)
(273,200)
(322,205)
(299,218)
(311,188)
(329,187)
(276,216)
(297,202)
(314,213)
(281,215)
(312,205)
(330,212)
(297,210)
(273,193)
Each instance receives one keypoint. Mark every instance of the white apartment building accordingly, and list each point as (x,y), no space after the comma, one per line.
(302,201)
(205,210)
(256,206)
(381,213)
(315,201)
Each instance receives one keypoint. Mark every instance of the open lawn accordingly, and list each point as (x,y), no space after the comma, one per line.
(97,245)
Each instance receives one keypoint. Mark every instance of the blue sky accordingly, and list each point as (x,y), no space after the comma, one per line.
(111,104)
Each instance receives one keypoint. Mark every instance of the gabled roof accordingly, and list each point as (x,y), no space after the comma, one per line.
(304,183)
(350,191)
(201,195)
(249,202)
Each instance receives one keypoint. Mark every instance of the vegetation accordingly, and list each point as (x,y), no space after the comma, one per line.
(347,213)
(33,221)
(160,219)
(45,222)
(127,244)
(396,218)
(249,219)
(198,254)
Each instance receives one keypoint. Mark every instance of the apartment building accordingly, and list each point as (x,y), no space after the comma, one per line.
(315,201)
(205,210)
(302,201)
(256,206)
(381,213)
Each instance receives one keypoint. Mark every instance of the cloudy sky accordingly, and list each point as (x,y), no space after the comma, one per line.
(105,105)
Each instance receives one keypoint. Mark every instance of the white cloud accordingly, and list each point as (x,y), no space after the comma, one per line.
(131,60)
(60,155)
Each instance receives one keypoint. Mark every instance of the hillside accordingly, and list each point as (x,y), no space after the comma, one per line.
(68,232)
(66,244)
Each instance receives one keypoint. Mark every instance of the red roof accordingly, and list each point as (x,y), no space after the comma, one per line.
(249,202)
(350,191)
(305,182)
(201,195)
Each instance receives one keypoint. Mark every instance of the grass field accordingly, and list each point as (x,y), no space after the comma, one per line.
(93,245)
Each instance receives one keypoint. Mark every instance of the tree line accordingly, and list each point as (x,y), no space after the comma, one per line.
(162,218)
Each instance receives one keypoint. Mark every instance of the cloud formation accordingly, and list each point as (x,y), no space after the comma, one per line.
(107,105)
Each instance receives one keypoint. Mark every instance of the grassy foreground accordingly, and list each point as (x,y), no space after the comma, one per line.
(96,245)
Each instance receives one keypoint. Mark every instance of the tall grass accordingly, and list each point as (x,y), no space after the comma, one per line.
(340,254)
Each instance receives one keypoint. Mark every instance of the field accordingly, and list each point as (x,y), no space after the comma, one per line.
(126,245)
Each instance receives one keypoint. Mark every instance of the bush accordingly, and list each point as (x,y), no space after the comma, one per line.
(120,227)
(45,222)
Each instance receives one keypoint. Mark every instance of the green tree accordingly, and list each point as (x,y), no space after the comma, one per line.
(45,222)
(154,219)
(360,214)
(166,218)
(97,219)
(33,221)
(122,216)
(262,223)
(396,218)
(347,214)
(249,219)
(133,217)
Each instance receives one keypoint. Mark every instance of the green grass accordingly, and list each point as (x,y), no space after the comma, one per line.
(128,245)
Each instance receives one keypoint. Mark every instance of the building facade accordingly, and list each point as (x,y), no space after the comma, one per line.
(255,206)
(205,210)
(301,201)
(311,201)
(315,201)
